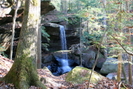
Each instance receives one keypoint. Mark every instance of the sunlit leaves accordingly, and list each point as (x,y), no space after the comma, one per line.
(44,33)
(91,39)
(56,3)
(2,48)
(95,12)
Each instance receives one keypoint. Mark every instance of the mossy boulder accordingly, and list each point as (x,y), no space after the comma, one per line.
(80,74)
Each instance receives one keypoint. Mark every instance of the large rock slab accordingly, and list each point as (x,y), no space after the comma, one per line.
(80,74)
(109,66)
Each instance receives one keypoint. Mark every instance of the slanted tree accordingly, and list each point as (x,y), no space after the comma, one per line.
(23,73)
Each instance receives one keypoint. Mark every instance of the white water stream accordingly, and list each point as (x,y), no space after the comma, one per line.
(64,60)
(63,41)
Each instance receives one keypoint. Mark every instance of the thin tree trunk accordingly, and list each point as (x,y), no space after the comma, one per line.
(13,28)
(80,30)
(39,54)
(64,6)
(104,19)
(124,73)
(130,70)
(119,69)
(130,56)
(94,65)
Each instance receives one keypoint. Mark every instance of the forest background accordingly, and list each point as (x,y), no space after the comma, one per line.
(105,23)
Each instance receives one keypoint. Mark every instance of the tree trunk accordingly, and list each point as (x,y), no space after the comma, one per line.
(104,19)
(64,6)
(119,69)
(23,73)
(39,54)
(13,28)
(130,70)
(80,31)
(130,41)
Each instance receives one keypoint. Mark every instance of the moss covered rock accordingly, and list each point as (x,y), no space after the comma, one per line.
(80,74)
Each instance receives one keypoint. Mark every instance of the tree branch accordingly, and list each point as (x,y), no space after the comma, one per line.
(130,53)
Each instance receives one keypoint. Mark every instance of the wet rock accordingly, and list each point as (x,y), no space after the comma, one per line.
(61,66)
(88,54)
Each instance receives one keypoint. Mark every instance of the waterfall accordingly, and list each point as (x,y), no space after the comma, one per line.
(62,66)
(64,60)
(63,41)
(66,68)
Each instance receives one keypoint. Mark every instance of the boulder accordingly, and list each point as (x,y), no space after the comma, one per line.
(46,6)
(51,57)
(47,58)
(80,74)
(88,55)
(109,66)
(112,76)
(88,59)
(60,53)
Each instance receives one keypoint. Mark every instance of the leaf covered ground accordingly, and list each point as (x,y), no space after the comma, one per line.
(58,82)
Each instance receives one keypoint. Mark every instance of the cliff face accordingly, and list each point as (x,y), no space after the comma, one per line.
(72,37)
(6,18)
(52,21)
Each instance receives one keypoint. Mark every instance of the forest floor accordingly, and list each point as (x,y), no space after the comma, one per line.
(58,82)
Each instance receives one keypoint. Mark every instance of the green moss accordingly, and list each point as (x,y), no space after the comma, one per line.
(33,17)
(23,74)
(35,2)
(80,74)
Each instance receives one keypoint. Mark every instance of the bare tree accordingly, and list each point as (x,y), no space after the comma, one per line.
(13,27)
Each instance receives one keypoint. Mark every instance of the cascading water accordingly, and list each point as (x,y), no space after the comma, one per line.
(63,41)
(65,67)
(64,60)
(62,65)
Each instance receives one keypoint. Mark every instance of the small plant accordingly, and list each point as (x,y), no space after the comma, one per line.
(91,39)
(46,35)
(2,49)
